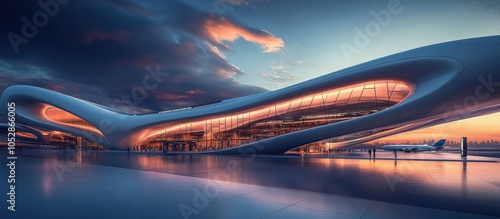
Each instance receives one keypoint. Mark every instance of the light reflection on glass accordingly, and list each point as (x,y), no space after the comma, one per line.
(291,115)
(65,118)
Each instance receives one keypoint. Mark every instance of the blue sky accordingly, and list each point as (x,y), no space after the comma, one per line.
(313,31)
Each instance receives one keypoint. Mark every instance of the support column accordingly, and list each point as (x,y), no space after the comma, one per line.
(463,147)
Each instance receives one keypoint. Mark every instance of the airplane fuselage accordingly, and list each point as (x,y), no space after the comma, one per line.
(410,148)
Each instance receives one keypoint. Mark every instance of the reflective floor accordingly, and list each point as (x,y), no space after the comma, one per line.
(69,184)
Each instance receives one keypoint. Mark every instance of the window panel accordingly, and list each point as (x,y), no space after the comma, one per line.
(291,115)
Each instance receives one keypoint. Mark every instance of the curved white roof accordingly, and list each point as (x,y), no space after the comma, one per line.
(450,81)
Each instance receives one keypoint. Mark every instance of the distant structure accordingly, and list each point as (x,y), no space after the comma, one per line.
(463,146)
(398,93)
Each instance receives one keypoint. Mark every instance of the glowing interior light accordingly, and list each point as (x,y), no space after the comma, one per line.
(62,117)
(295,114)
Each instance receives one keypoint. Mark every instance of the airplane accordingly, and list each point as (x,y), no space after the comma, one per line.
(415,148)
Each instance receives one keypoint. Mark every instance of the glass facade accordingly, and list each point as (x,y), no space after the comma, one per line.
(65,118)
(61,139)
(326,107)
(267,121)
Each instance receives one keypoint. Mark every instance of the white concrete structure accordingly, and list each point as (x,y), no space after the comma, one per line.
(428,86)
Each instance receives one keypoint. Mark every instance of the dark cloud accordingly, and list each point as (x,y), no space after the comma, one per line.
(99,51)
(236,2)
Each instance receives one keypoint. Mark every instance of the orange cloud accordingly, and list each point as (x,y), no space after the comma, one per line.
(194,92)
(220,29)
(171,96)
(228,73)
(216,51)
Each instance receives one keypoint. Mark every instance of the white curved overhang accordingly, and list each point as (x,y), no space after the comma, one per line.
(441,76)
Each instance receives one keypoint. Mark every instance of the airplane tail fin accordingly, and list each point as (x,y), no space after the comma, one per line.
(439,143)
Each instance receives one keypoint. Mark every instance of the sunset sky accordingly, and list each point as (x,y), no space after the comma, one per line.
(483,128)
(220,49)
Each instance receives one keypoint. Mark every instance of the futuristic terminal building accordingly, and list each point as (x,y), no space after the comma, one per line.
(402,92)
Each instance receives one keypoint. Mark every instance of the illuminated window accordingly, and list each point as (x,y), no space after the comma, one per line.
(275,119)
(65,118)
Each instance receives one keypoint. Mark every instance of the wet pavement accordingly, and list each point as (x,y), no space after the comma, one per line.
(83,184)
